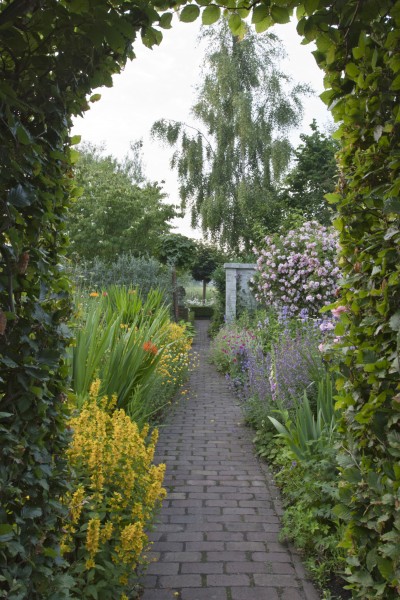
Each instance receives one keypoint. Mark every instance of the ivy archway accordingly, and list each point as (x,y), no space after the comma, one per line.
(53,54)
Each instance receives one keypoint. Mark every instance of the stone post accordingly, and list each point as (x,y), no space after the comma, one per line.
(234,272)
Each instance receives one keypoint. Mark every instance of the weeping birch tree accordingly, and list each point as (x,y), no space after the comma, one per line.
(231,159)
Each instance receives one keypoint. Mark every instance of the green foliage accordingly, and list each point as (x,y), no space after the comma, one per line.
(114,212)
(53,55)
(116,490)
(229,168)
(177,250)
(207,259)
(309,431)
(310,492)
(120,339)
(314,175)
(133,272)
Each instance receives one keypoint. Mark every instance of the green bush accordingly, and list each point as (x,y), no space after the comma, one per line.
(127,270)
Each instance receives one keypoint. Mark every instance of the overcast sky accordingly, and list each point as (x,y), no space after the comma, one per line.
(160,83)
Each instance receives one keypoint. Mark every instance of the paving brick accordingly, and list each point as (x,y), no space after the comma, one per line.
(179,581)
(203,567)
(169,546)
(205,546)
(184,536)
(246,546)
(162,568)
(291,594)
(204,594)
(272,557)
(283,568)
(270,580)
(227,580)
(254,593)
(245,567)
(182,557)
(158,595)
(225,536)
(226,556)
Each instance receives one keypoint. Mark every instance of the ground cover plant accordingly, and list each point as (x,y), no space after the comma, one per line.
(81,46)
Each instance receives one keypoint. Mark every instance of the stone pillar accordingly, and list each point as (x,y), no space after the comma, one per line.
(230,292)
(242,273)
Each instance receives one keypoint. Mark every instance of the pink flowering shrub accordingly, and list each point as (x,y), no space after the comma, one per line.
(298,271)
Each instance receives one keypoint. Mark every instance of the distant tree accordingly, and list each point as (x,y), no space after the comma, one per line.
(118,211)
(206,260)
(315,174)
(177,251)
(229,167)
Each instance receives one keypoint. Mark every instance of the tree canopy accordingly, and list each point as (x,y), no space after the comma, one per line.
(314,174)
(115,211)
(229,167)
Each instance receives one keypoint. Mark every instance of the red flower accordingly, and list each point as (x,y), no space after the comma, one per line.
(150,347)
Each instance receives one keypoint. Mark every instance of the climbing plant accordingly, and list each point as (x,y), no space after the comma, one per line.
(54,53)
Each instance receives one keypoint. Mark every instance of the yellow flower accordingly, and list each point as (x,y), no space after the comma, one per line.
(93,536)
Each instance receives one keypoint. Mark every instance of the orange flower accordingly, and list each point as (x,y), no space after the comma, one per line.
(150,347)
(94,294)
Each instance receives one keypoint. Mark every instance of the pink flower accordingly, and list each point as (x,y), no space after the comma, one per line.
(321,347)
(338,311)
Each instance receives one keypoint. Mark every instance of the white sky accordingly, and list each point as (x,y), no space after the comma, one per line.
(160,83)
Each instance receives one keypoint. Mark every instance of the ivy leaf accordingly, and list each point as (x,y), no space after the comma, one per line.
(6,533)
(211,14)
(29,512)
(396,83)
(394,322)
(311,6)
(280,14)
(19,196)
(264,25)
(189,13)
(165,21)
(75,139)
(392,205)
(235,23)
(260,13)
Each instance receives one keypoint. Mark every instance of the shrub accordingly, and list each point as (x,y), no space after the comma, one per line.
(228,348)
(127,270)
(298,271)
(115,492)
(310,492)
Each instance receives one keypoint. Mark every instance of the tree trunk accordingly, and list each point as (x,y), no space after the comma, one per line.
(204,291)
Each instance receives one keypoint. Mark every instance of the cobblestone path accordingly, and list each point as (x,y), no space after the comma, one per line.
(218,533)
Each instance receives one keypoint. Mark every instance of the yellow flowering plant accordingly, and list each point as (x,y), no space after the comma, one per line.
(115,492)
(174,361)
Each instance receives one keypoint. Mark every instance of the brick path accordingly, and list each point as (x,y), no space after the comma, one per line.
(218,533)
